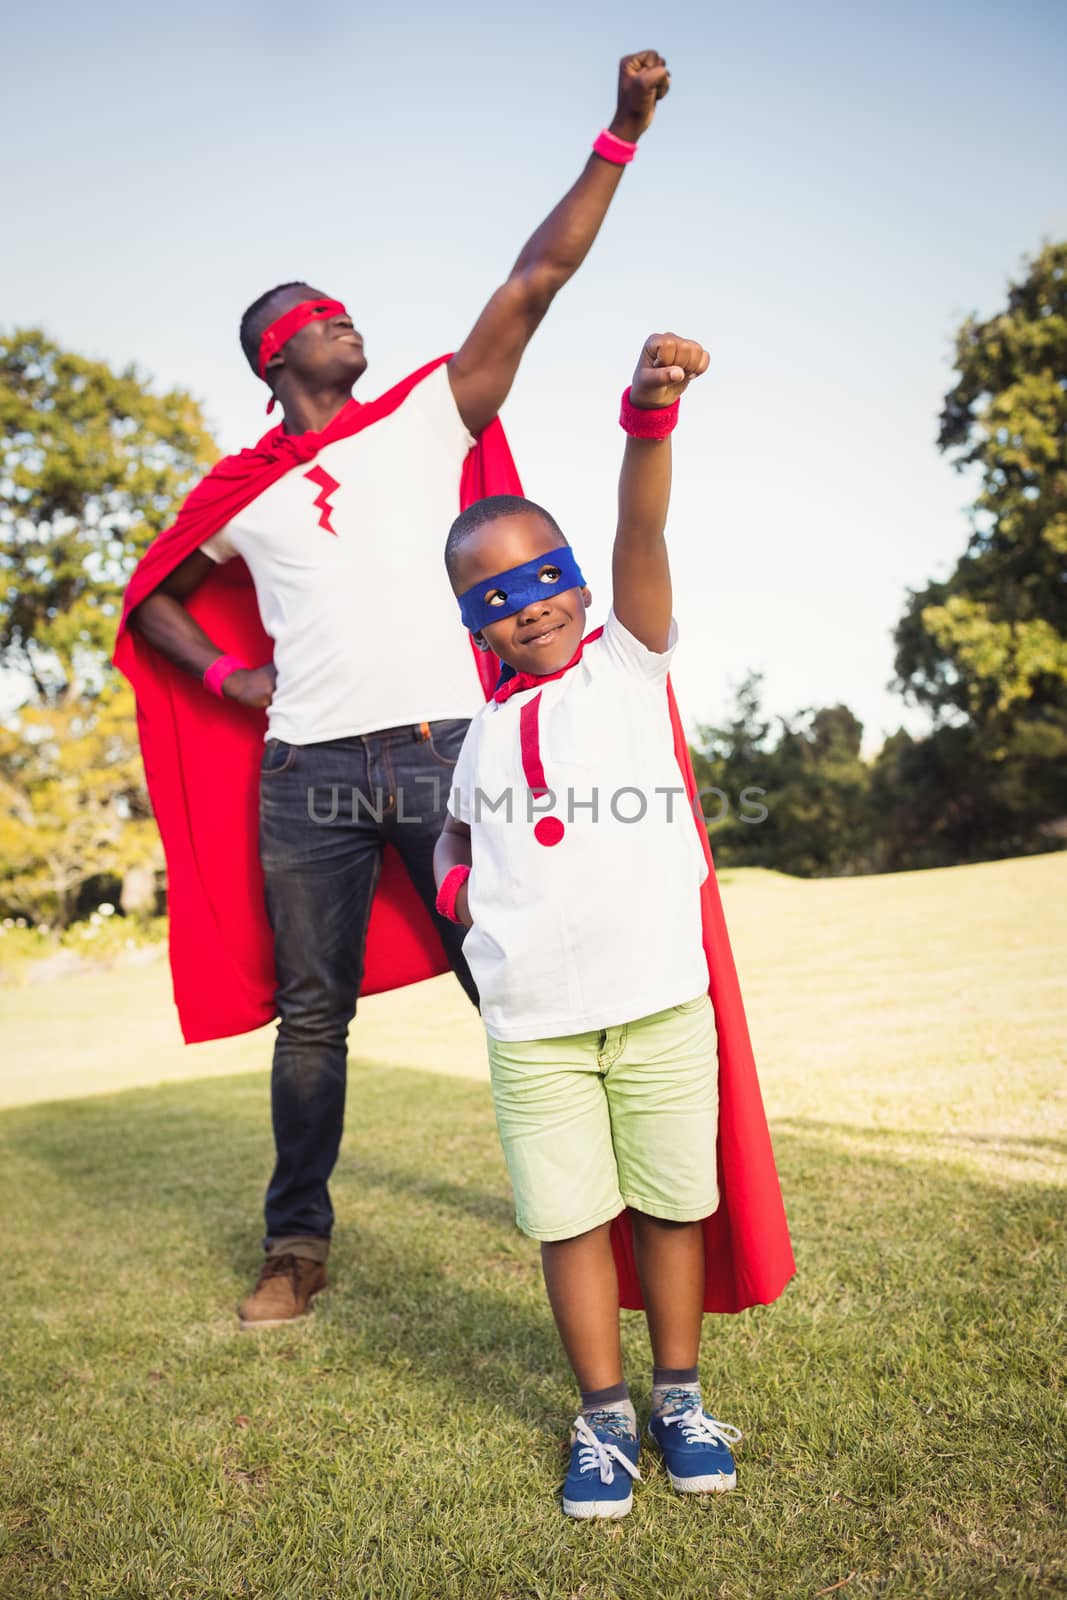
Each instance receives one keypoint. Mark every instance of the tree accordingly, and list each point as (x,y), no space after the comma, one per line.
(986,648)
(796,799)
(992,640)
(92,466)
(72,802)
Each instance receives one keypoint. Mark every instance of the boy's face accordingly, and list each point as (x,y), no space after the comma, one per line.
(545,634)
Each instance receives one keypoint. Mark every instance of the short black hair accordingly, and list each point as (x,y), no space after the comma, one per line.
(491,509)
(249,334)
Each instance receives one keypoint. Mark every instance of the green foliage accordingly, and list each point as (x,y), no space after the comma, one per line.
(794,794)
(73,805)
(795,799)
(940,799)
(92,466)
(990,642)
(986,649)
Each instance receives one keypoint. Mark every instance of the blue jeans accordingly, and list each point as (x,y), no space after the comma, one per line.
(326,812)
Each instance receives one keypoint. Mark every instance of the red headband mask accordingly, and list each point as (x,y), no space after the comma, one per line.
(281,330)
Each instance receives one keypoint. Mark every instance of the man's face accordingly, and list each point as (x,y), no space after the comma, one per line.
(327,353)
(545,634)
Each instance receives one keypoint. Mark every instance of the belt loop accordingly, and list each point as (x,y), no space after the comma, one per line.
(424,730)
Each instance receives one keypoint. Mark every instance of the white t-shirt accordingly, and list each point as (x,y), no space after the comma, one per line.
(352,577)
(604,926)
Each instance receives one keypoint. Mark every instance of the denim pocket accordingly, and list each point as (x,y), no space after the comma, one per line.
(446,739)
(277,757)
(693,1005)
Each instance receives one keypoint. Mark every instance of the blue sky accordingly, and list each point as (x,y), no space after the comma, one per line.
(826,192)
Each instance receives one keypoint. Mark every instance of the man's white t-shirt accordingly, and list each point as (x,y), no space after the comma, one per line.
(346,553)
(604,926)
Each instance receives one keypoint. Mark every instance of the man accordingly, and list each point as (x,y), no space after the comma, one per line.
(339,524)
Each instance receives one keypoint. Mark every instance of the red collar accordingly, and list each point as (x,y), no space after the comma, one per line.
(533,680)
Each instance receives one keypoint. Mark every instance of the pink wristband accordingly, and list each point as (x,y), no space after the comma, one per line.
(220,669)
(618,151)
(647,422)
(448,893)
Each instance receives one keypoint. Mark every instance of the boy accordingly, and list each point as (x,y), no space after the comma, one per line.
(585,942)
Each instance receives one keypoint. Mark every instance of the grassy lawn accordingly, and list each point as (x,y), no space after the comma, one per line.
(903,1403)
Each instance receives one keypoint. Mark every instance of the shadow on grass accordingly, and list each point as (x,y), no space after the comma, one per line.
(926,1138)
(422,1199)
(483,1206)
(205,1150)
(426,1255)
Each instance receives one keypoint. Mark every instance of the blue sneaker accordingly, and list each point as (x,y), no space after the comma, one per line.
(696,1448)
(603,1462)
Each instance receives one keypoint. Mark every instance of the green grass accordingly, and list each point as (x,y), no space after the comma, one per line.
(903,1403)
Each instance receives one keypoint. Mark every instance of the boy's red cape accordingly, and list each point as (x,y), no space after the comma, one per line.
(201,758)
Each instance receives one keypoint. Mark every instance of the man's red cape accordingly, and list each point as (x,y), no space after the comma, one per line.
(201,758)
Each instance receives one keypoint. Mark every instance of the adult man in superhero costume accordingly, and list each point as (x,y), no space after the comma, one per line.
(272,548)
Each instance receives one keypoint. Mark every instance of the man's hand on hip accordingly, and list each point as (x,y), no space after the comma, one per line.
(251,686)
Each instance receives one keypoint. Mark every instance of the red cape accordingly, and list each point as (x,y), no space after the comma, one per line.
(749,1259)
(201,757)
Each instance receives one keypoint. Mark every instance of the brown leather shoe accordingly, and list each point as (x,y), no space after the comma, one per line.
(283,1294)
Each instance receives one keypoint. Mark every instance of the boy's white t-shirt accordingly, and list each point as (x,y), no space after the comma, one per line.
(351,580)
(603,927)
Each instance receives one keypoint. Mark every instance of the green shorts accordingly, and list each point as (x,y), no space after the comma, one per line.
(626,1116)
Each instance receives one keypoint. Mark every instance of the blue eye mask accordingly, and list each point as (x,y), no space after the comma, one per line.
(521,586)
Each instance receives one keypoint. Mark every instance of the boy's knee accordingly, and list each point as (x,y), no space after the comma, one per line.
(643,1218)
(576,1238)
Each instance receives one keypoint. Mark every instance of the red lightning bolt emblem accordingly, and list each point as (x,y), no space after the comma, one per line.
(326,486)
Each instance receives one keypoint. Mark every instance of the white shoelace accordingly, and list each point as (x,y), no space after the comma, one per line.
(698,1428)
(600,1453)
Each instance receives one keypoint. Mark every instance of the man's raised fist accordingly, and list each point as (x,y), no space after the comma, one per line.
(643,79)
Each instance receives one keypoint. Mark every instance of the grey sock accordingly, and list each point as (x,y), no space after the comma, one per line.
(675,1389)
(610,1408)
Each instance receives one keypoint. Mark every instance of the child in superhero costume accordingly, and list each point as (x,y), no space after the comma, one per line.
(574,855)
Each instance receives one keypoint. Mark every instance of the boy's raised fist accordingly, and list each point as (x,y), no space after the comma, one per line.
(666,367)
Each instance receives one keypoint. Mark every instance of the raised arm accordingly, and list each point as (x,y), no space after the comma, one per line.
(483,369)
(641,574)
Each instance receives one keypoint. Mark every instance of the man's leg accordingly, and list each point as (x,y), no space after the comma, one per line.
(320,847)
(422,770)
